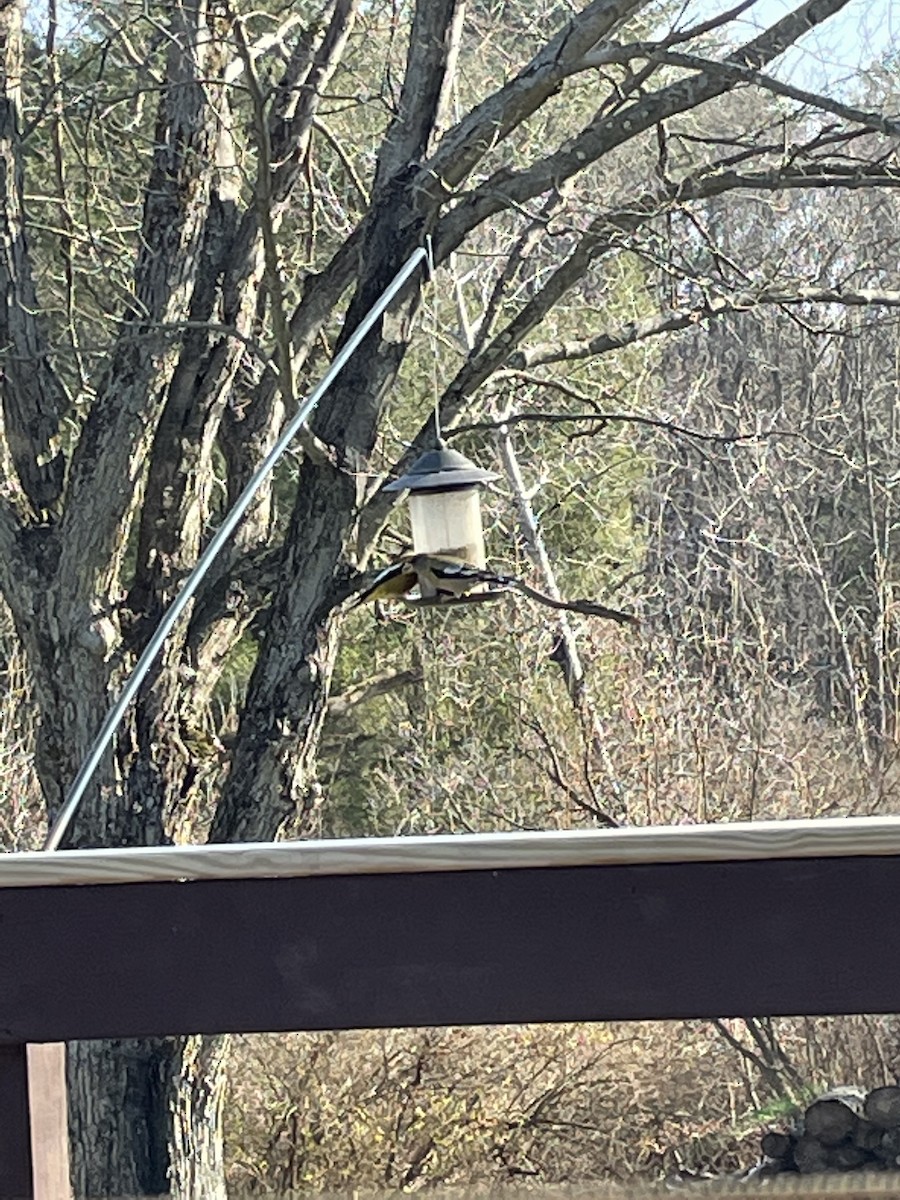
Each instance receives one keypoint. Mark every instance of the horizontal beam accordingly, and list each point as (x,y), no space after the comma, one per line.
(598,942)
(736,842)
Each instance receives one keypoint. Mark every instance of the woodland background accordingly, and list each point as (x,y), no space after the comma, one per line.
(680,352)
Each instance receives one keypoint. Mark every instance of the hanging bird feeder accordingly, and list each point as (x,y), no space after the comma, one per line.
(445,504)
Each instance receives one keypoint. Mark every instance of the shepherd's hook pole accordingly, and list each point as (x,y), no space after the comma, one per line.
(205,561)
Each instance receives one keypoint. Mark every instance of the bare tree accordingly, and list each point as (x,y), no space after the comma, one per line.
(198,204)
(791,568)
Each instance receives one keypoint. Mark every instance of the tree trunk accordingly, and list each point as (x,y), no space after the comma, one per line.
(198,1144)
(119,1116)
(138,1105)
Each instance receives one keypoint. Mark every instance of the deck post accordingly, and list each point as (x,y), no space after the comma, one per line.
(48,1107)
(34,1151)
(16,1181)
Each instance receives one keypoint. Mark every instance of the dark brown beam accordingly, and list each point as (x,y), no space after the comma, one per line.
(649,941)
(15,1127)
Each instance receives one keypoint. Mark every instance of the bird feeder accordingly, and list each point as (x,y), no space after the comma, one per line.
(445,504)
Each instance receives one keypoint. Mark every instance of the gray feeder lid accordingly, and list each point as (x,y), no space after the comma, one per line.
(439,470)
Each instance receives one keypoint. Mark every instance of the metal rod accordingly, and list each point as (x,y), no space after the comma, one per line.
(205,561)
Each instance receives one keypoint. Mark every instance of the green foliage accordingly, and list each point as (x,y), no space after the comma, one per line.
(780,1111)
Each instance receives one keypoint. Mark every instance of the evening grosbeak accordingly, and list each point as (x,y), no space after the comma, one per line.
(441,577)
(435,575)
(394,582)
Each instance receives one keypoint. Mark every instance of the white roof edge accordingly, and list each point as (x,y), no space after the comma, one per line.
(740,841)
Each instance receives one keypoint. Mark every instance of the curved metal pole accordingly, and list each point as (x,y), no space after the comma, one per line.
(205,561)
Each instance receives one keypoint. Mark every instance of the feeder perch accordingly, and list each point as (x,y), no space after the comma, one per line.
(445,504)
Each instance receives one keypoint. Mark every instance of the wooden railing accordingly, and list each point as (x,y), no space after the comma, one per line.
(770,918)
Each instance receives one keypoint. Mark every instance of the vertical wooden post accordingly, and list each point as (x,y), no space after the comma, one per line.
(49,1121)
(34,1135)
(15,1133)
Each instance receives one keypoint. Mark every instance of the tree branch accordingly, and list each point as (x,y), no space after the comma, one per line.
(588,608)
(346,162)
(635,331)
(605,233)
(602,419)
(9,531)
(283,126)
(462,147)
(431,49)
(657,52)
(294,107)
(379,685)
(32,395)
(108,464)
(506,189)
(610,230)
(686,35)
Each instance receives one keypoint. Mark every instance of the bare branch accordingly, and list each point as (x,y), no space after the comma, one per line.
(599,420)
(432,48)
(817,175)
(679,36)
(264,198)
(505,189)
(379,685)
(606,232)
(295,106)
(503,583)
(33,397)
(656,52)
(337,146)
(9,530)
(462,147)
(636,331)
(109,459)
(282,125)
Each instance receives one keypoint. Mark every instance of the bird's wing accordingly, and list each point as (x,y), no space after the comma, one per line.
(394,581)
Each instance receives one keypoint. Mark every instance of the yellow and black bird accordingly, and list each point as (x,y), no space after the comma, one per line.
(393,583)
(443,575)
(437,576)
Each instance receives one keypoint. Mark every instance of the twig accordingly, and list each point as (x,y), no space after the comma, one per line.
(378,685)
(502,583)
(601,419)
(589,608)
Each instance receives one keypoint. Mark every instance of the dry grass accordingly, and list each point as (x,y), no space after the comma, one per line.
(545,1105)
(855,1186)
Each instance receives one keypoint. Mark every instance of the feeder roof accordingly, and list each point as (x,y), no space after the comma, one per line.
(439,470)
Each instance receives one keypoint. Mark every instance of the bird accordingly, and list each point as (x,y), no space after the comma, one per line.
(394,582)
(437,576)
(448,576)
(444,575)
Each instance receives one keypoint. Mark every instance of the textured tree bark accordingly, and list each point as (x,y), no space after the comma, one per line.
(147,401)
(32,397)
(198,1145)
(117,1092)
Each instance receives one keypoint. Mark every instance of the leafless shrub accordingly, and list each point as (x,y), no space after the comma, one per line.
(413,1109)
